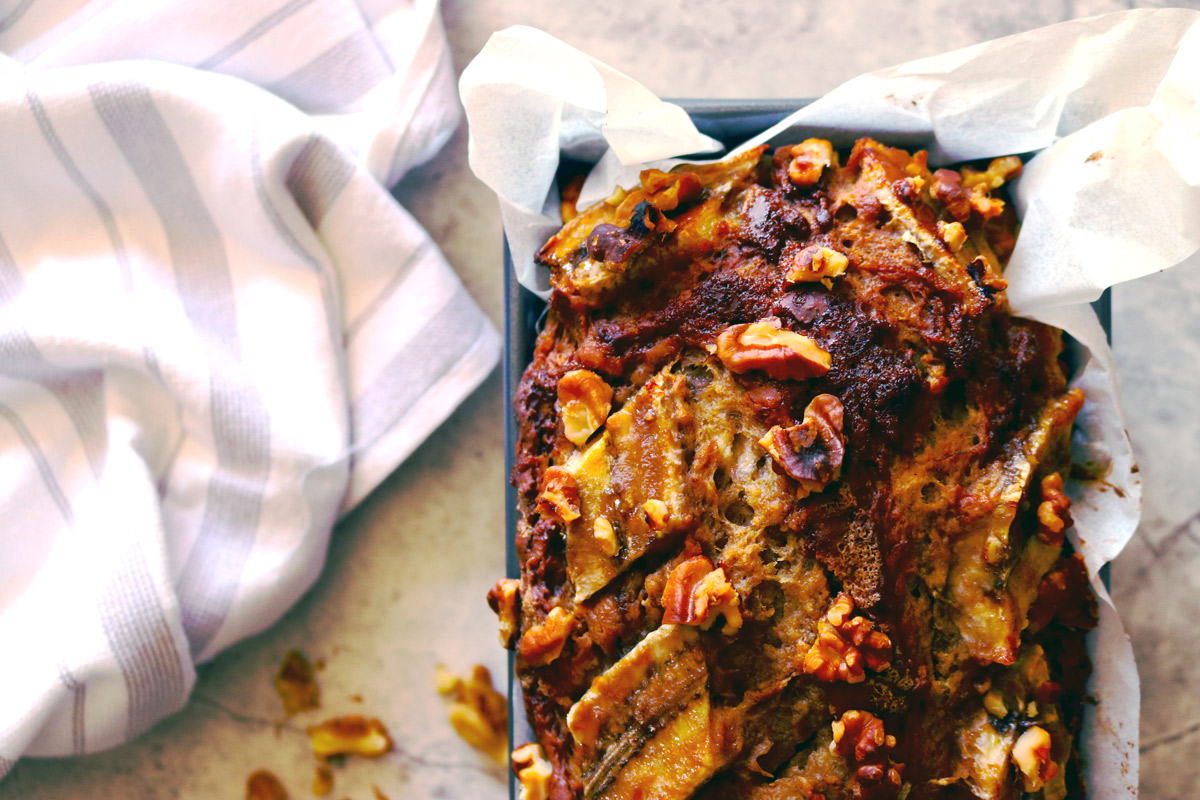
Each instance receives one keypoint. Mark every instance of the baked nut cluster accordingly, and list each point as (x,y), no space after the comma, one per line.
(846,646)
(765,346)
(859,737)
(697,593)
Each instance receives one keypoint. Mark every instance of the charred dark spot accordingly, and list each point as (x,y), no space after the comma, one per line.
(977,269)
(868,208)
(615,245)
(947,187)
(822,213)
(905,190)
(763,221)
(806,306)
(644,219)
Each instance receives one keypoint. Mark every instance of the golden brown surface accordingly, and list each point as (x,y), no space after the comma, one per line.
(791,502)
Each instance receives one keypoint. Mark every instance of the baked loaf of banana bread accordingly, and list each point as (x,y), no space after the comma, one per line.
(791,494)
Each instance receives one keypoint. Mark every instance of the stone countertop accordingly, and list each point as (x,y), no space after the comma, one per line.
(386,609)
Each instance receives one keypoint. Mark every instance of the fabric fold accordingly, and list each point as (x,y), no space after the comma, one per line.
(218,330)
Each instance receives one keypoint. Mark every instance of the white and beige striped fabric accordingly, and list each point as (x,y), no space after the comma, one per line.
(218,330)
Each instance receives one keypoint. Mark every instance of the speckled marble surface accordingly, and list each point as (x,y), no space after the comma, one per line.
(389,607)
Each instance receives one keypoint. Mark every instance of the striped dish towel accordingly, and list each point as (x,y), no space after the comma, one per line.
(218,330)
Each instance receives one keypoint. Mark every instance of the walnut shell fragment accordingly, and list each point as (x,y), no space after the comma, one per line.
(810,453)
(768,347)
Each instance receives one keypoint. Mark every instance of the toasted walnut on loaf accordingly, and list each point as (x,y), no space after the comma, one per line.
(791,499)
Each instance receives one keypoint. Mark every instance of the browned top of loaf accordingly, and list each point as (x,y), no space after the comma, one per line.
(790,485)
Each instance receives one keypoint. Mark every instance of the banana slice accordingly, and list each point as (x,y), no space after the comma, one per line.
(643,729)
(635,467)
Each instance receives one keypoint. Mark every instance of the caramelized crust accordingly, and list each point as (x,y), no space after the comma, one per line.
(810,419)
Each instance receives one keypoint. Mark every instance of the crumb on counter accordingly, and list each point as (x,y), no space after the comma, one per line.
(296,684)
(263,785)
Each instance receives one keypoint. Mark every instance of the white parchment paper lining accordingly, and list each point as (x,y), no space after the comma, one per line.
(1110,106)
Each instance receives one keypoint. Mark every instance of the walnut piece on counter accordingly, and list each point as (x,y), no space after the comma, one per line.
(477,712)
(263,785)
(697,593)
(767,347)
(296,684)
(585,400)
(350,736)
(533,771)
(810,453)
(1032,756)
(559,498)
(544,642)
(503,599)
(846,645)
(859,737)
(322,781)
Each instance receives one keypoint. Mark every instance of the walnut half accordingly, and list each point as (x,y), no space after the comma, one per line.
(585,400)
(859,737)
(697,593)
(544,642)
(811,453)
(846,645)
(768,347)
(809,160)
